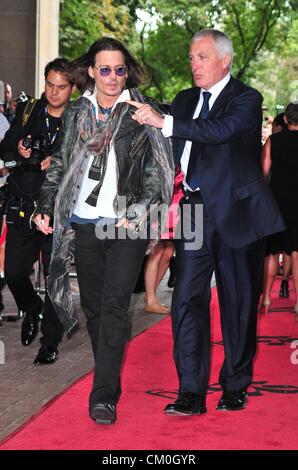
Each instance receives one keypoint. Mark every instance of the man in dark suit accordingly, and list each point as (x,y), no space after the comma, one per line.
(216,130)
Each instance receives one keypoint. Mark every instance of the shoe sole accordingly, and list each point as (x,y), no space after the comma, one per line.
(230,409)
(104,421)
(101,417)
(180,413)
(218,408)
(40,363)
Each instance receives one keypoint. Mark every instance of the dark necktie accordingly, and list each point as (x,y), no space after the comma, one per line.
(192,176)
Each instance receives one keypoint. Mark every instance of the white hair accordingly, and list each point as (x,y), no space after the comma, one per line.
(221,40)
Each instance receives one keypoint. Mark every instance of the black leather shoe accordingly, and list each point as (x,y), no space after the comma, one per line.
(187,404)
(232,400)
(46,355)
(104,413)
(284,289)
(29,328)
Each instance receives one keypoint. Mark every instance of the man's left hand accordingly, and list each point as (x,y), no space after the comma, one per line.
(44,165)
(145,114)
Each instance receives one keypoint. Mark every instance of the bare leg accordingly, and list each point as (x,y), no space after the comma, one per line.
(286,270)
(287,264)
(156,266)
(164,261)
(270,270)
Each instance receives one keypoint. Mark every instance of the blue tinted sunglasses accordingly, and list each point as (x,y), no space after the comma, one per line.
(106,71)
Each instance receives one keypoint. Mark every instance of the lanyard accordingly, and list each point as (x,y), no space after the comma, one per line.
(51,140)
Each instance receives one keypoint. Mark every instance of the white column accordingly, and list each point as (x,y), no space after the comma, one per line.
(47,38)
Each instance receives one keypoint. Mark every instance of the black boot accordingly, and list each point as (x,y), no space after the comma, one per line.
(172,268)
(284,289)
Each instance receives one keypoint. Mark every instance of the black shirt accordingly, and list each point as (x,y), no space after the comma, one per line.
(25,180)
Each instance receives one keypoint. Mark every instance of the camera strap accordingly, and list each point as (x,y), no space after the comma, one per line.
(28,110)
(51,139)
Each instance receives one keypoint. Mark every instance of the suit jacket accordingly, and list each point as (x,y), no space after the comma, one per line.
(235,193)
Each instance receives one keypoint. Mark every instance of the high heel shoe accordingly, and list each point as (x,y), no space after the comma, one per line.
(264,307)
(284,289)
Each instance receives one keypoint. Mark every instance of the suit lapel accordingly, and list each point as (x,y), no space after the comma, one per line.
(127,124)
(192,103)
(223,97)
(187,112)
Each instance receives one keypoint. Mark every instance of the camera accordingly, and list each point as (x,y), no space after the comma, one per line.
(40,148)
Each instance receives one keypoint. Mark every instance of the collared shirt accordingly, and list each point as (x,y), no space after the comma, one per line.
(167,129)
(108,190)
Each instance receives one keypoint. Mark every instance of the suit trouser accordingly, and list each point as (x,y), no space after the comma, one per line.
(107,271)
(21,252)
(239,281)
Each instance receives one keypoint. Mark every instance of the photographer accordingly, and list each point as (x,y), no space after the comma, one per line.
(27,149)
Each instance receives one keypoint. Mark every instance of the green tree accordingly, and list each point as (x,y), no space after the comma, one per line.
(263,33)
(275,73)
(258,28)
(84,21)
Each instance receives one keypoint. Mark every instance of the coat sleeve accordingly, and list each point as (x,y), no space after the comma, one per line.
(54,173)
(241,116)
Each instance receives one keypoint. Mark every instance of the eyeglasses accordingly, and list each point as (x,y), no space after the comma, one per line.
(106,71)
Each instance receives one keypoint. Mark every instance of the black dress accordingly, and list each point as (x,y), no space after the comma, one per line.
(284,185)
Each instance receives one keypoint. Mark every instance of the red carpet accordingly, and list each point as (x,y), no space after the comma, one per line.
(149,383)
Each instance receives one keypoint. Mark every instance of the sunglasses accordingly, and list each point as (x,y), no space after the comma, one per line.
(106,71)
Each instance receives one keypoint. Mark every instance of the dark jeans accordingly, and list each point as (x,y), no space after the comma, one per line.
(21,252)
(107,271)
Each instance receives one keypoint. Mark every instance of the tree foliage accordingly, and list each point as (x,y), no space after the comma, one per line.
(264,35)
(256,27)
(84,21)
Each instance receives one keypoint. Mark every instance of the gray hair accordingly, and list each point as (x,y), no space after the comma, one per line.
(222,42)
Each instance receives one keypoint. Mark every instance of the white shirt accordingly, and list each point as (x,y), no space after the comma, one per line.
(108,190)
(167,129)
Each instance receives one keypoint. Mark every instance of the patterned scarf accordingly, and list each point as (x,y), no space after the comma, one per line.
(99,144)
(83,140)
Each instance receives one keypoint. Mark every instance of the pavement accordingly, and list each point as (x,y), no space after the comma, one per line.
(26,387)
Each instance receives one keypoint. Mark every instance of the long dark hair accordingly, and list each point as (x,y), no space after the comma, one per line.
(79,67)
